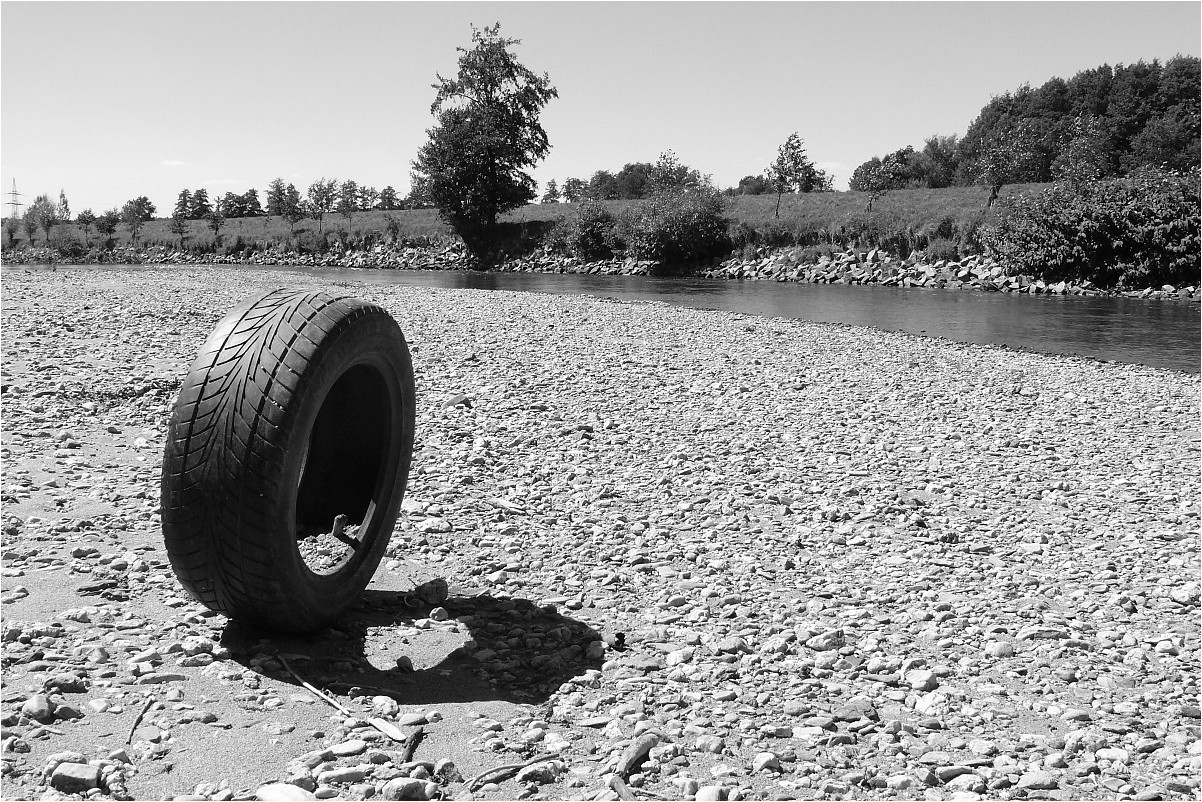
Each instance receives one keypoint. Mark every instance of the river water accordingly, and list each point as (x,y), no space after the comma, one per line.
(1164,334)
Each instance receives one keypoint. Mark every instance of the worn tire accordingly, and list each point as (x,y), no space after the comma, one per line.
(299,407)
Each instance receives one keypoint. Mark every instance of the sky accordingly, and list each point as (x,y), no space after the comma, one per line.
(108,101)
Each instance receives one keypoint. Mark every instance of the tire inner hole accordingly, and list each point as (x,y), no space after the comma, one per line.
(342,467)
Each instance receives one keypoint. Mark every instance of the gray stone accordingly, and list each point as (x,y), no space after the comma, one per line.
(281,792)
(75,778)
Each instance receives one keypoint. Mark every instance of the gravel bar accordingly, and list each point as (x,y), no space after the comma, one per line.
(646,553)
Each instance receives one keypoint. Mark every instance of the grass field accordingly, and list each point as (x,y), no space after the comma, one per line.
(832,217)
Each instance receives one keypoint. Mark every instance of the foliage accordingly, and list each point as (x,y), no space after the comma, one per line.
(551,195)
(589,236)
(141,208)
(216,221)
(106,224)
(348,200)
(201,207)
(292,207)
(244,205)
(1142,230)
(677,227)
(67,244)
(488,133)
(179,224)
(64,208)
(45,214)
(183,205)
(574,190)
(1008,154)
(320,199)
(877,176)
(388,199)
(277,192)
(752,185)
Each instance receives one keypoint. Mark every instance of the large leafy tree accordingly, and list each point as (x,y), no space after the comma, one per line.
(389,199)
(487,135)
(135,213)
(277,192)
(292,207)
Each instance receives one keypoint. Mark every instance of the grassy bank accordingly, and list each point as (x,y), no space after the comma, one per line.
(834,218)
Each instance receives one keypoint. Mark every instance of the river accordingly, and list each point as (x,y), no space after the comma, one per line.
(1163,334)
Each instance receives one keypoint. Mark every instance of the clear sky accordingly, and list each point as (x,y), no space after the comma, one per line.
(109,101)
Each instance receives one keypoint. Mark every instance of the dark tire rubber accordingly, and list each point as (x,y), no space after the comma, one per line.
(300,407)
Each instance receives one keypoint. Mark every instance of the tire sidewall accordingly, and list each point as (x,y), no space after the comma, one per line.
(373,340)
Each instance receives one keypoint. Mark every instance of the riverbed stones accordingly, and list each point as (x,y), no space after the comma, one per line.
(884,562)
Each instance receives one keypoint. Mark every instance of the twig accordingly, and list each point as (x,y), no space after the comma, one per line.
(313,690)
(509,769)
(411,743)
(130,738)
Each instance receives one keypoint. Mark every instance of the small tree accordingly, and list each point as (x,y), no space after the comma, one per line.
(84,220)
(29,222)
(552,193)
(389,199)
(201,207)
(183,205)
(574,189)
(878,177)
(277,192)
(106,224)
(216,221)
(348,200)
(45,214)
(64,208)
(292,207)
(487,135)
(1007,155)
(368,198)
(132,217)
(250,204)
(179,226)
(794,172)
(322,196)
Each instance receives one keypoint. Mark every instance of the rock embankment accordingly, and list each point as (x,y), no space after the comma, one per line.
(874,267)
(691,555)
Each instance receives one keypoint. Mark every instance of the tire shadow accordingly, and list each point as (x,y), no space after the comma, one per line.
(522,652)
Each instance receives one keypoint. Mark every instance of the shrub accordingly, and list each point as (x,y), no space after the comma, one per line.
(589,236)
(1142,230)
(743,235)
(941,248)
(676,228)
(67,243)
(393,226)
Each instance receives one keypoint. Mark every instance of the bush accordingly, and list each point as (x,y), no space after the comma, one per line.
(590,235)
(1142,230)
(941,248)
(676,228)
(743,235)
(67,243)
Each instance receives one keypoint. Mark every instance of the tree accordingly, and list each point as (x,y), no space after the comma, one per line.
(368,198)
(348,200)
(45,214)
(669,173)
(277,192)
(30,223)
(142,207)
(1084,157)
(106,224)
(11,227)
(133,214)
(216,221)
(201,207)
(250,204)
(794,172)
(84,220)
(487,134)
(574,189)
(292,207)
(321,198)
(754,185)
(179,226)
(602,186)
(633,180)
(878,176)
(1007,155)
(64,208)
(552,193)
(389,199)
(183,205)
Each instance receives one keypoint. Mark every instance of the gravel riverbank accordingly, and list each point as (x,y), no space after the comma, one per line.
(691,555)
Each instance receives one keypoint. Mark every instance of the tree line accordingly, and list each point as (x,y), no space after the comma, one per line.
(1105,122)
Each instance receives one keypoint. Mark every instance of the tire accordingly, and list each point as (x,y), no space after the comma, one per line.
(300,407)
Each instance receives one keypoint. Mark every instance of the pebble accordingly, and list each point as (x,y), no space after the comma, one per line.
(970,567)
